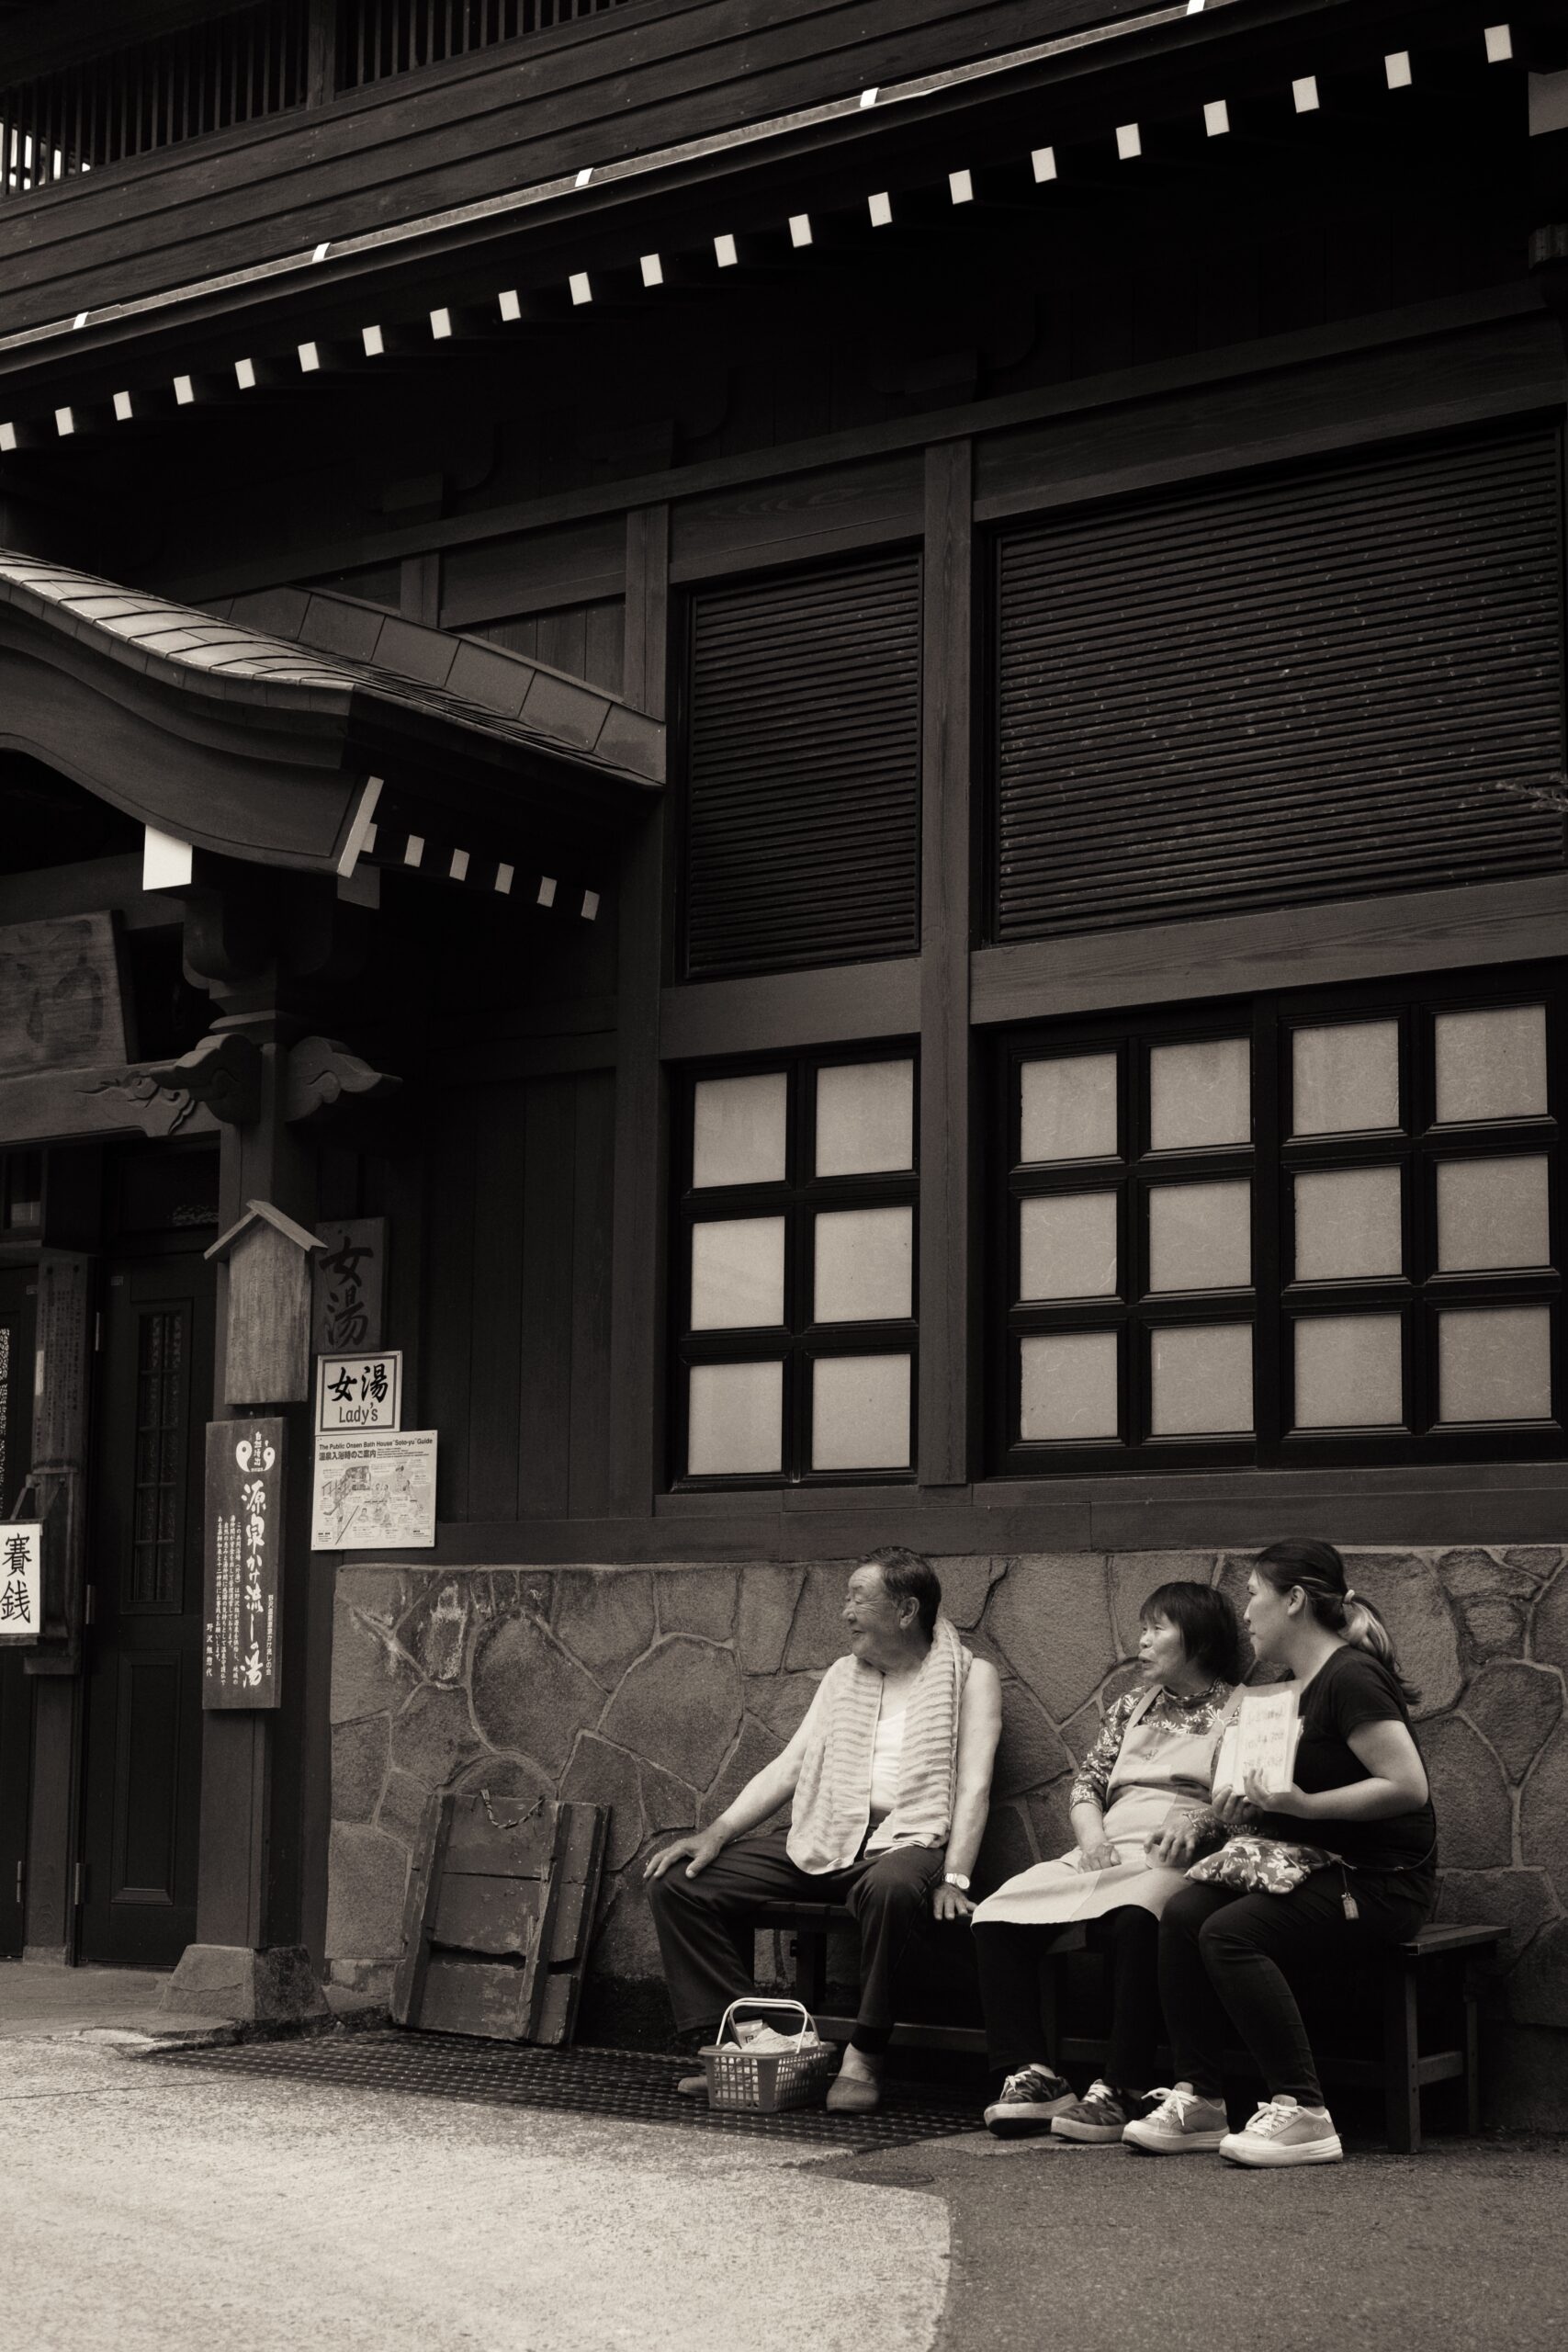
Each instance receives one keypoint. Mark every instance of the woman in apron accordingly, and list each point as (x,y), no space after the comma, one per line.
(1139,1809)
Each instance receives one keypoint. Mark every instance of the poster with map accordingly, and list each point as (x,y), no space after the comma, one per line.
(374,1491)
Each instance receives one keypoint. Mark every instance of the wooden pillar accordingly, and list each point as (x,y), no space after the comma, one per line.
(948,1354)
(320,53)
(636,1309)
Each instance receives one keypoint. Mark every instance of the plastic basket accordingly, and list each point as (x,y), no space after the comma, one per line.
(767,2081)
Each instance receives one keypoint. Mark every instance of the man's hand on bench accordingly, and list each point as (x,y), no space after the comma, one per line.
(702,1847)
(950,1902)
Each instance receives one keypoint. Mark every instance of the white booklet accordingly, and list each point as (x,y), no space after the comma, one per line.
(1261,1739)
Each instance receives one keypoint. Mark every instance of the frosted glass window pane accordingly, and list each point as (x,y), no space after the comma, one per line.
(1491,1213)
(859,1413)
(1069,1108)
(1201,1094)
(1348,1224)
(1066,1246)
(866,1118)
(1344,1078)
(1491,1065)
(1199,1237)
(1349,1371)
(863,1264)
(1068,1387)
(1201,1380)
(1494,1364)
(738,1129)
(735,1419)
(737,1273)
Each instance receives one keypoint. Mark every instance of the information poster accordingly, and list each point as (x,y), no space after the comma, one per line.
(21,1579)
(374,1492)
(243,1557)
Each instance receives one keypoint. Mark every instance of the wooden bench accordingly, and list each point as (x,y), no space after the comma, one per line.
(1441,1962)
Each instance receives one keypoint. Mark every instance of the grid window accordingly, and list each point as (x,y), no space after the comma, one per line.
(1306,1228)
(796,1251)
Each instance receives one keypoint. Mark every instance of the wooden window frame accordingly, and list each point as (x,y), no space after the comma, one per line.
(1417,1294)
(800,1342)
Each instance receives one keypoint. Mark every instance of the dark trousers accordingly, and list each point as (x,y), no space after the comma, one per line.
(1223,1959)
(1011,1958)
(704,1930)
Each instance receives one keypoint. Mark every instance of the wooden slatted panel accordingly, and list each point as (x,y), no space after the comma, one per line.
(803,833)
(379,38)
(1342,681)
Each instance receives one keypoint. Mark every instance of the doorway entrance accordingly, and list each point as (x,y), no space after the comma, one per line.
(142,1695)
(18,1287)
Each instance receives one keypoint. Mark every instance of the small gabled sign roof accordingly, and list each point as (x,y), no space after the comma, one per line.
(264,1212)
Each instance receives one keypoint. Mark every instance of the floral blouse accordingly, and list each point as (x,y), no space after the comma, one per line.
(1198,1714)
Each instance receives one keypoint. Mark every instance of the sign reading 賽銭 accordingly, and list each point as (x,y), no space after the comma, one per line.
(243,1554)
(21,1580)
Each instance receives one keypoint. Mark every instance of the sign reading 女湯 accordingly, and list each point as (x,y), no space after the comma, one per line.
(243,1556)
(360,1392)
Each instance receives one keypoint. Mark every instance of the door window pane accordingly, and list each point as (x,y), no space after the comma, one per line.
(1491,1064)
(737,1273)
(866,1118)
(738,1129)
(1494,1364)
(1202,1379)
(859,1413)
(863,1264)
(1348,1224)
(1069,1386)
(1491,1213)
(1349,1371)
(1199,1237)
(1066,1246)
(1344,1078)
(1201,1094)
(735,1419)
(1069,1108)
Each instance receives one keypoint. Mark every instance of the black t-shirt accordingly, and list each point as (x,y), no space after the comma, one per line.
(1349,1688)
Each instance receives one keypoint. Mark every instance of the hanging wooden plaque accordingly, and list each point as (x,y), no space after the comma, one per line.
(243,1557)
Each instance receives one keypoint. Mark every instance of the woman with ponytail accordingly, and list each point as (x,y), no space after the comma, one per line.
(1360,1871)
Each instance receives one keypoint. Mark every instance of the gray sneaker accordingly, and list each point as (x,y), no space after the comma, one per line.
(1097,2118)
(1181,2125)
(1284,2132)
(1029,2100)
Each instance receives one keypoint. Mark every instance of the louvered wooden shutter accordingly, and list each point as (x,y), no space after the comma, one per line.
(1342,681)
(803,814)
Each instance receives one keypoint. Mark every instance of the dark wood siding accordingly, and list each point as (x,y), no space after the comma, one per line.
(803,820)
(518,1298)
(1339,681)
(585,640)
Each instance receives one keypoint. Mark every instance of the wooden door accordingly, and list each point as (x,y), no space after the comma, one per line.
(16,1289)
(143,1769)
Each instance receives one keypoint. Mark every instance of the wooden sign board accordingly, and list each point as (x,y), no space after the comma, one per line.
(374,1492)
(242,1557)
(499,1918)
(349,1278)
(21,1580)
(360,1392)
(61,1006)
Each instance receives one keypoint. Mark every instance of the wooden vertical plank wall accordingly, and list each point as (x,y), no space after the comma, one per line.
(636,1252)
(946,1364)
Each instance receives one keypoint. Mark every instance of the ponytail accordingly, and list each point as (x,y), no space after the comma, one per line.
(1319,1571)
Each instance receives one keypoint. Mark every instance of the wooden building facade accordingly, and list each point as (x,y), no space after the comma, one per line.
(852,719)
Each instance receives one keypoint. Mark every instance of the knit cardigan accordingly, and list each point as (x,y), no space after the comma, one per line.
(832,1796)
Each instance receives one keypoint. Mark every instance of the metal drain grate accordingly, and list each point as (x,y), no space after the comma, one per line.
(625,2083)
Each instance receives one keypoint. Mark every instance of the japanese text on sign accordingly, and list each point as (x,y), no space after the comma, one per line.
(21,1579)
(372,1491)
(244,1511)
(360,1392)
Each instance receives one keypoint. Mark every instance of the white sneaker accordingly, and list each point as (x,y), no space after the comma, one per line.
(1284,2132)
(1181,2125)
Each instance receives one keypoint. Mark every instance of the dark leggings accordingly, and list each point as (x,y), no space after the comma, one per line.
(1011,1960)
(1223,1959)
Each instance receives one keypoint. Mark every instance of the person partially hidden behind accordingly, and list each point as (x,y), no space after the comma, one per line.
(1343,1861)
(1140,1812)
(889,1776)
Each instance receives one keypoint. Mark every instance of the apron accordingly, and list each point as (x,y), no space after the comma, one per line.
(1156,1768)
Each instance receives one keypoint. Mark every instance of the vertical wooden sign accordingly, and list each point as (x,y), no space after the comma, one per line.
(21,1580)
(243,1557)
(350,1278)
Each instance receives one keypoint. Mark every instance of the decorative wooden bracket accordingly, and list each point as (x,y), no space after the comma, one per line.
(223,1073)
(322,1071)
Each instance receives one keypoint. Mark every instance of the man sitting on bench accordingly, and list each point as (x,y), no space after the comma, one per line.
(890,1774)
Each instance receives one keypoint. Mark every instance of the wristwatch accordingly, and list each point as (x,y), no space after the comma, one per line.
(957,1879)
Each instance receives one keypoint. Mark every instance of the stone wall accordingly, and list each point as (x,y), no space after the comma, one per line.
(660,1692)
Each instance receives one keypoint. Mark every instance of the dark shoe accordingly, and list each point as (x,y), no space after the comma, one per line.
(1029,2101)
(1098,2118)
(692,2085)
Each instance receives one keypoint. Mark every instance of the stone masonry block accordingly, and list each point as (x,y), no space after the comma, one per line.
(606,1619)
(1030,1754)
(1543,1812)
(1521,1901)
(1005,1849)
(403,1808)
(668,1805)
(530,1697)
(780,1700)
(1538,1987)
(967,1579)
(819,1635)
(1409,1598)
(1548,1629)
(601,1774)
(697,1600)
(366,1884)
(755,1747)
(1492,1601)
(1475,1818)
(1516,1707)
(433,1735)
(768,1598)
(679,1707)
(435,1631)
(371,1674)
(1052,1618)
(359,1767)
